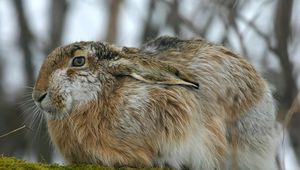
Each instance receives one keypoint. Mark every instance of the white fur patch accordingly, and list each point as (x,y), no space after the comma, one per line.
(77,91)
(137,100)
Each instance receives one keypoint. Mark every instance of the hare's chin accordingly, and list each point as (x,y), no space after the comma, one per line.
(53,112)
(56,114)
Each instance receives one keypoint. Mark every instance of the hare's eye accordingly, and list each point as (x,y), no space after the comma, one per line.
(78,61)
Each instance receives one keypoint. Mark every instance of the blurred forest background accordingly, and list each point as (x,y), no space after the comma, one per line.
(266,32)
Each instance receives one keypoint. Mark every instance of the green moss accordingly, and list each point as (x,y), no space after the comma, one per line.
(7,163)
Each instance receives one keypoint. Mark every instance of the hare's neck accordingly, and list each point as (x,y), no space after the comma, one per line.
(83,133)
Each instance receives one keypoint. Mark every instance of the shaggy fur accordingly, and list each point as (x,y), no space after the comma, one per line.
(176,103)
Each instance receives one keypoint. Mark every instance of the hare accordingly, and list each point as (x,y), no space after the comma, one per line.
(184,104)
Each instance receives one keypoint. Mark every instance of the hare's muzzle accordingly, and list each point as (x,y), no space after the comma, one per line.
(38,96)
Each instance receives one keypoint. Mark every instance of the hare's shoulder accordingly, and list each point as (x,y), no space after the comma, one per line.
(167,43)
(182,51)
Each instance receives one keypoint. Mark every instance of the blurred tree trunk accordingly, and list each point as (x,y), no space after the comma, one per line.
(1,74)
(25,40)
(282,33)
(1,78)
(150,31)
(58,14)
(173,17)
(113,20)
(16,144)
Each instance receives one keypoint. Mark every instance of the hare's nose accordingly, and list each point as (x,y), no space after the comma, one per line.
(38,96)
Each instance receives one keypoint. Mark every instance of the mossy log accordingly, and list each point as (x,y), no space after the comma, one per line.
(11,163)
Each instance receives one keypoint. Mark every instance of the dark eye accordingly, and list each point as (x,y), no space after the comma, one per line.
(78,61)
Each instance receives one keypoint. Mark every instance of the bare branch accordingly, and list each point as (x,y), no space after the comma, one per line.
(264,36)
(295,107)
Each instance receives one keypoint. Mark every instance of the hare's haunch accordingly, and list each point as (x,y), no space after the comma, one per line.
(172,102)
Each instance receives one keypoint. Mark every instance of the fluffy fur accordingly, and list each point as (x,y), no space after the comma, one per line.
(176,103)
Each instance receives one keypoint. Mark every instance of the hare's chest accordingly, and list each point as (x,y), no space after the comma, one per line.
(74,145)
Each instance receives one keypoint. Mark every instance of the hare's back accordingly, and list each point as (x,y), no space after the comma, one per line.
(224,77)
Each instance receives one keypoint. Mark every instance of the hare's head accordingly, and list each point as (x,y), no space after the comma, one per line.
(80,73)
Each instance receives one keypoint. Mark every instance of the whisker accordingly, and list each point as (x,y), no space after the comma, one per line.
(35,116)
(37,124)
(24,103)
(27,96)
(32,115)
(28,87)
(26,92)
(27,106)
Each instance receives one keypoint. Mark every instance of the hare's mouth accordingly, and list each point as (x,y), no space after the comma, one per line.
(45,104)
(53,112)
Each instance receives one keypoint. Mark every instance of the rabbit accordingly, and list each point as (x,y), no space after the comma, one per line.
(183,104)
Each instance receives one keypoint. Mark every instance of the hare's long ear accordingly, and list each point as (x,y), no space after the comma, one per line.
(152,71)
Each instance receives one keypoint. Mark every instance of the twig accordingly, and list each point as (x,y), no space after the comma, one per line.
(14,131)
(294,108)
(278,162)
